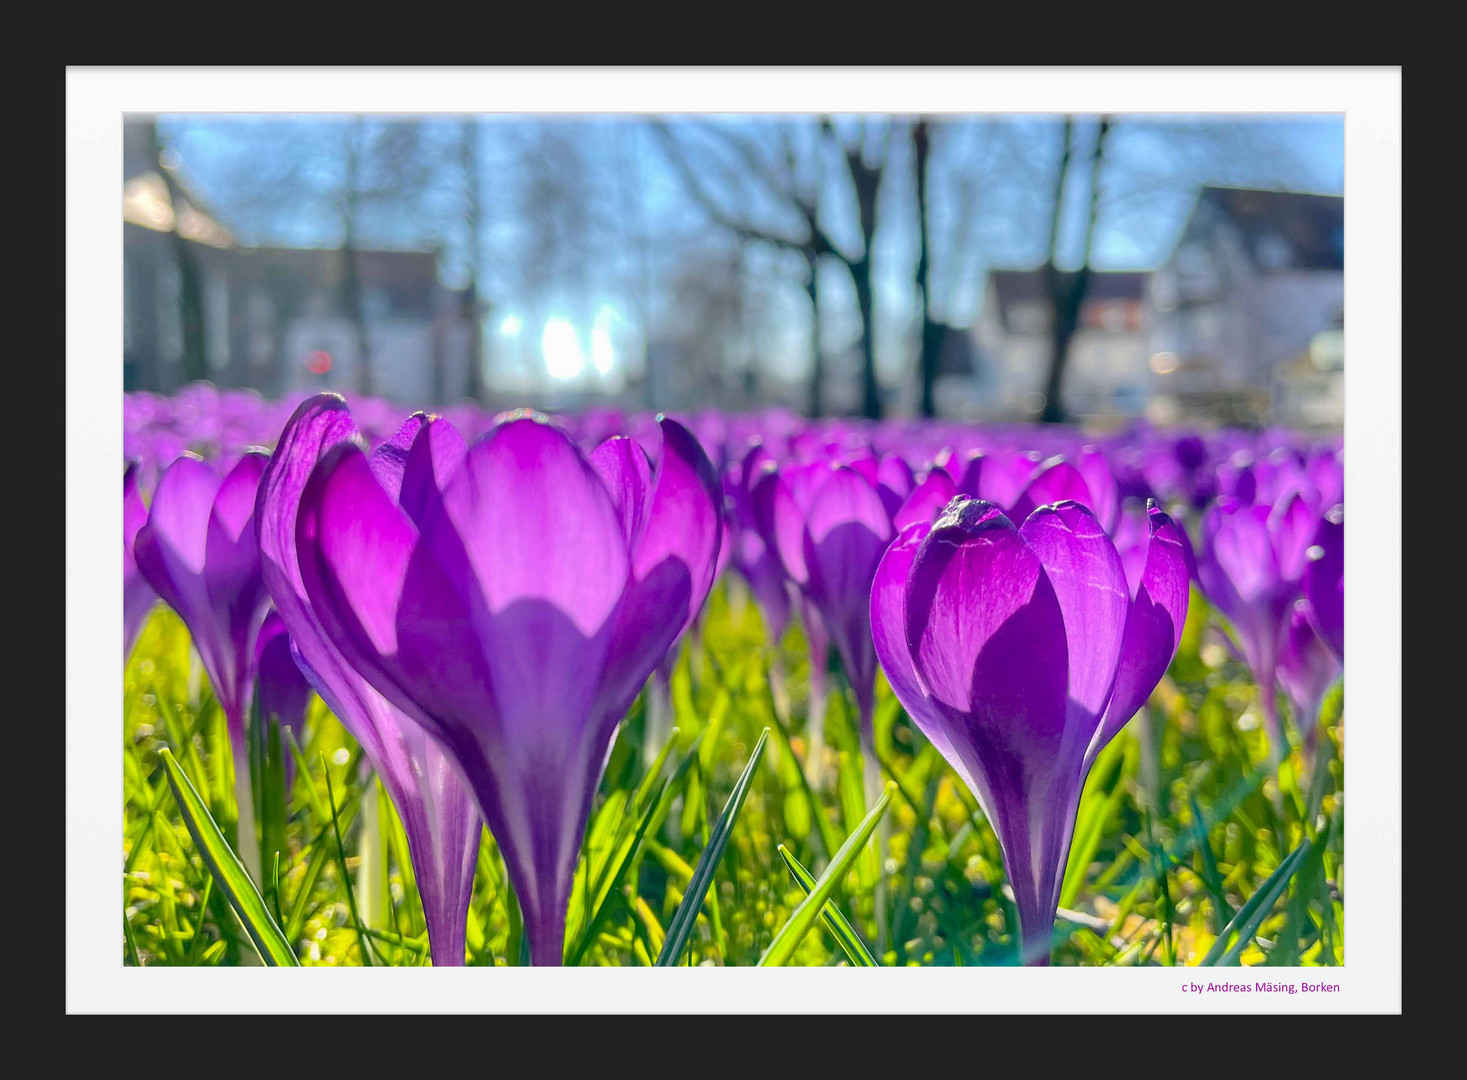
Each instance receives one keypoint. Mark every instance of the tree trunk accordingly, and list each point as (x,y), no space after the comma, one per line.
(190,309)
(1068,296)
(932,332)
(438,349)
(474,377)
(866,183)
(351,298)
(870,389)
(351,281)
(817,356)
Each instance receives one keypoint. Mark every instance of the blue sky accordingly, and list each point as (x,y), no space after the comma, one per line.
(586,221)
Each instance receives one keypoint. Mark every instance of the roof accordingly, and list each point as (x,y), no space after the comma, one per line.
(1312,225)
(146,201)
(409,278)
(1027,286)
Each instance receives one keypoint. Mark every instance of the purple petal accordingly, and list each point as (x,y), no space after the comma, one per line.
(1004,477)
(1308,666)
(1239,566)
(1057,481)
(1153,627)
(516,704)
(1324,580)
(970,480)
(284,692)
(198,551)
(989,645)
(889,634)
(927,500)
(1104,491)
(178,523)
(846,533)
(536,523)
(1132,536)
(673,565)
(786,524)
(435,805)
(1293,525)
(1090,585)
(1239,572)
(436,453)
(986,629)
(137,596)
(626,471)
(895,475)
(389,461)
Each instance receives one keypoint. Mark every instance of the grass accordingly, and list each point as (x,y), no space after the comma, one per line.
(1181,835)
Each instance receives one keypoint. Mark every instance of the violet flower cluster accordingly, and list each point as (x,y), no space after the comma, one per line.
(479,599)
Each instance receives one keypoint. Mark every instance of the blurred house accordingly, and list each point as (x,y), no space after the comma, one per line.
(1248,312)
(289,329)
(275,319)
(1242,323)
(1013,340)
(174,252)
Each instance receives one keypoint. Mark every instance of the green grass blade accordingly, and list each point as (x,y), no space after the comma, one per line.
(227,870)
(829,838)
(351,899)
(1210,876)
(132,946)
(683,920)
(793,931)
(645,788)
(839,926)
(1251,915)
(196,948)
(1098,805)
(629,851)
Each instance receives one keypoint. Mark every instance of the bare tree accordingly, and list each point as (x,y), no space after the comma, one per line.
(473,211)
(865,179)
(932,331)
(383,163)
(368,177)
(749,170)
(1067,292)
(557,216)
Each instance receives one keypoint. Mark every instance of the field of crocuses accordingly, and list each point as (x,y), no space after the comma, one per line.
(619,689)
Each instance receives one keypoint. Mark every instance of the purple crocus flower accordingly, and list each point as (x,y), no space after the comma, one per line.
(750,551)
(998,476)
(1324,580)
(927,498)
(1251,561)
(1307,668)
(281,690)
(515,605)
(1020,652)
(138,596)
(434,803)
(830,542)
(1088,482)
(198,552)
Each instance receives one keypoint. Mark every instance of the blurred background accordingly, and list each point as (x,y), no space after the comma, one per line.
(1094,269)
